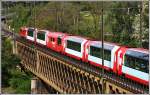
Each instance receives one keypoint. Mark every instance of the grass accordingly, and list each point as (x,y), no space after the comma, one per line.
(8,90)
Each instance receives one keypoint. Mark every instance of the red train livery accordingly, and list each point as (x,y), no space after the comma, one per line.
(131,62)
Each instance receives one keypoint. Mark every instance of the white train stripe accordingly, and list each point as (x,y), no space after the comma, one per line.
(135,73)
(73,52)
(99,61)
(41,41)
(30,38)
(113,55)
(82,46)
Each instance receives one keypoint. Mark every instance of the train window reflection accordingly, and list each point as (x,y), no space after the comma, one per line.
(136,63)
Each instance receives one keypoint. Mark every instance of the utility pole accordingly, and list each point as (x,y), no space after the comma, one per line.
(102,38)
(34,16)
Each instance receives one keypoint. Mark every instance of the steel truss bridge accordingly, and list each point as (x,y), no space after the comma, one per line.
(67,75)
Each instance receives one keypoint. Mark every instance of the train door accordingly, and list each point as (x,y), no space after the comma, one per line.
(59,43)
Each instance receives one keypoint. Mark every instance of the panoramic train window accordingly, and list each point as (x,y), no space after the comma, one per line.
(59,41)
(30,32)
(74,45)
(136,63)
(107,55)
(95,51)
(41,36)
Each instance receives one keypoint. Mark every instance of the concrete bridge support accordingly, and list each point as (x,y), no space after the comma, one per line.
(13,47)
(37,87)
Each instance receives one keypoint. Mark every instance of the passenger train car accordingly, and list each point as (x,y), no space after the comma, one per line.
(74,46)
(136,65)
(133,63)
(93,55)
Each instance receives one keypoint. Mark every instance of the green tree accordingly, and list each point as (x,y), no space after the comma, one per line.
(11,76)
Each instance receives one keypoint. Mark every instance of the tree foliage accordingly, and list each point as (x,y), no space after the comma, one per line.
(11,76)
(126,23)
(121,19)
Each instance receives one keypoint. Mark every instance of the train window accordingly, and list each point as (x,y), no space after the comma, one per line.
(136,63)
(95,51)
(41,36)
(142,65)
(30,32)
(107,55)
(59,41)
(74,45)
(128,62)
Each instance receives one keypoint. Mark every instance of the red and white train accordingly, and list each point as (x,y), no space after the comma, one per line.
(131,62)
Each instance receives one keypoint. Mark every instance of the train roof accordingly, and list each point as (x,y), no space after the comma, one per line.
(107,46)
(140,50)
(24,28)
(56,34)
(138,53)
(31,27)
(43,31)
(76,39)
(59,33)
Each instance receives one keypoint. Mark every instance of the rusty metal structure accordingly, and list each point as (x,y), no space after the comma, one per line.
(63,77)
